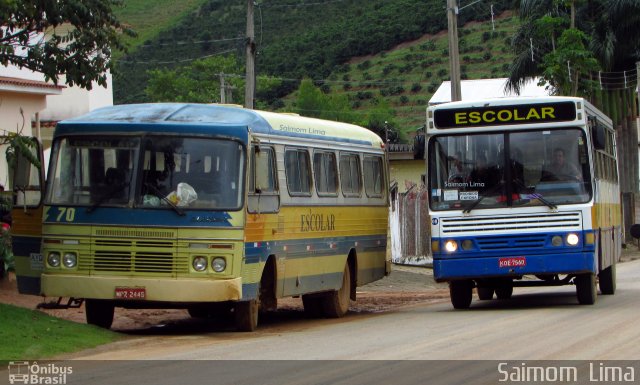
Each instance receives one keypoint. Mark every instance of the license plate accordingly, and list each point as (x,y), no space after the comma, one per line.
(130,293)
(512,262)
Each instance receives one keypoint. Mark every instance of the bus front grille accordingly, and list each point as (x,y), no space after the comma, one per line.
(145,256)
(522,223)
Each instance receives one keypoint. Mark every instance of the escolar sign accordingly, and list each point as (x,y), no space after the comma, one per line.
(504,115)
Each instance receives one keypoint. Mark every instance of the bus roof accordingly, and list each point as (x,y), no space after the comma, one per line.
(205,118)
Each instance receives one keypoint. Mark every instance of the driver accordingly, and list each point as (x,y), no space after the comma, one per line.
(560,169)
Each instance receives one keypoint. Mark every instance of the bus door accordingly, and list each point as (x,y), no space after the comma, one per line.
(26,182)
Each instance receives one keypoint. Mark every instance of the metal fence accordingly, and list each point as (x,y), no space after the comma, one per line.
(410,228)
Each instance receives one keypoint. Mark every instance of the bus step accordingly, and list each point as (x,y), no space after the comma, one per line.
(72,303)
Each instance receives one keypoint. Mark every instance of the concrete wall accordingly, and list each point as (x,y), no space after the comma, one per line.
(11,120)
(406,173)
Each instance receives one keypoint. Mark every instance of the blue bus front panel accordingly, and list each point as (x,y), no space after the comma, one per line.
(512,256)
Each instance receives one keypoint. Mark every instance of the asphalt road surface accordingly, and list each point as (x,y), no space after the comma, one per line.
(542,324)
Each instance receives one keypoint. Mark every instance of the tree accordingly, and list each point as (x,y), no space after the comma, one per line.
(74,38)
(199,82)
(565,67)
(609,31)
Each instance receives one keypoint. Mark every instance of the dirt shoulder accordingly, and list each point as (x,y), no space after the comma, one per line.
(406,285)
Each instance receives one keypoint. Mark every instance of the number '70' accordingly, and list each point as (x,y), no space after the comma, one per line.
(66,214)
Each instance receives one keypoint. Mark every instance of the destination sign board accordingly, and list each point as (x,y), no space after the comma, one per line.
(504,115)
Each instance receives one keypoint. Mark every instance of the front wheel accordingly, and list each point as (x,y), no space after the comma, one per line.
(586,288)
(246,315)
(99,312)
(460,293)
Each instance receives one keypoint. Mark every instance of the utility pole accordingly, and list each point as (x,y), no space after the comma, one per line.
(223,100)
(454,56)
(250,78)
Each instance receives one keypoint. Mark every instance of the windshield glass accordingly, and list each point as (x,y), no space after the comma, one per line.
(491,170)
(149,172)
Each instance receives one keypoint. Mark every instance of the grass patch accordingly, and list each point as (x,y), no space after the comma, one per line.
(29,334)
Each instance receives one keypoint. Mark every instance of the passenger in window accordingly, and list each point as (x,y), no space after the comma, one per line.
(561,169)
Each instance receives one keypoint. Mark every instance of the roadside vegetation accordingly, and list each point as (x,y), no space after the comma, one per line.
(30,334)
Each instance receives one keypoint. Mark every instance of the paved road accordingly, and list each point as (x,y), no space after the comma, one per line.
(536,324)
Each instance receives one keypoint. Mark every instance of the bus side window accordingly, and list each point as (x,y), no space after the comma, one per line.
(298,172)
(350,175)
(263,187)
(373,176)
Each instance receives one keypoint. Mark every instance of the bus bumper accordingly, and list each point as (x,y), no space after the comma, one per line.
(155,289)
(447,269)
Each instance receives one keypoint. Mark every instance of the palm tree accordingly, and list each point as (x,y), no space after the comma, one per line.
(611,27)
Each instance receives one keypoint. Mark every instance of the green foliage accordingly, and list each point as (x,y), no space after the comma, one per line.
(35,335)
(293,42)
(20,146)
(199,82)
(78,43)
(565,67)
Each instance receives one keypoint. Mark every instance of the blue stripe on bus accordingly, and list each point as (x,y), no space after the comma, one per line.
(138,217)
(256,252)
(237,132)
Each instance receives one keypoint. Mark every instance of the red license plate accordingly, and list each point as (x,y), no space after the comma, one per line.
(512,262)
(130,293)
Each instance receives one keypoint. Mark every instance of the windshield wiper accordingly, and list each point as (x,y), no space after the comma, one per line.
(110,194)
(475,203)
(537,196)
(158,194)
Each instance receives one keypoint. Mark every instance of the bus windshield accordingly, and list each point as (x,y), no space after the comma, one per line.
(157,172)
(522,168)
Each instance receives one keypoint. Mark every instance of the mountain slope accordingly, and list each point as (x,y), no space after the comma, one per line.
(295,39)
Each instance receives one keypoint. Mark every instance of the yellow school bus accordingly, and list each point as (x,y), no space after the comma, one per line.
(212,208)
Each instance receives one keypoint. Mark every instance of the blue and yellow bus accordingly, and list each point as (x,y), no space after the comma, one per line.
(523,192)
(212,208)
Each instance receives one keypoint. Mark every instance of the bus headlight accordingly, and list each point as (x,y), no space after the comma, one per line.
(573,239)
(219,264)
(467,244)
(70,260)
(53,259)
(556,240)
(451,246)
(199,263)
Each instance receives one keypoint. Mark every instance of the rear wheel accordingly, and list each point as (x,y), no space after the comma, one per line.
(607,280)
(460,293)
(336,303)
(99,312)
(485,293)
(586,288)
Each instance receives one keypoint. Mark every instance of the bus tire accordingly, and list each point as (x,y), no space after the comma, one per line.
(99,312)
(607,280)
(312,305)
(485,293)
(336,303)
(461,293)
(504,291)
(586,288)
(246,315)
